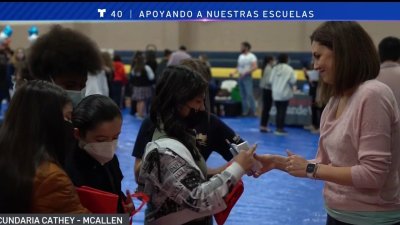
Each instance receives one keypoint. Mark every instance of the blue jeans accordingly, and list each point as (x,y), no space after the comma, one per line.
(246,92)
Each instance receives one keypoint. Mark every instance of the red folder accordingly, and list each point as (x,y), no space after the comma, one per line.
(97,201)
(230,201)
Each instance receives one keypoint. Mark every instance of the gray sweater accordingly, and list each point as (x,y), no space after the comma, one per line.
(282,81)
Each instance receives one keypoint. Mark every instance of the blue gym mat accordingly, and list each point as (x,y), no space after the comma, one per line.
(273,199)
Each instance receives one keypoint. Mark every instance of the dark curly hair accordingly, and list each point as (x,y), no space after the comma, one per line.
(63,51)
(176,87)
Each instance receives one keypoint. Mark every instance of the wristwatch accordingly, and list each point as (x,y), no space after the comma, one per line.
(310,169)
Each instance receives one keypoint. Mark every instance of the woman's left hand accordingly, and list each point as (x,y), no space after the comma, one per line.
(296,165)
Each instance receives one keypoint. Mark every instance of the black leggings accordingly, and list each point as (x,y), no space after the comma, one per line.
(267,103)
(332,221)
(281,108)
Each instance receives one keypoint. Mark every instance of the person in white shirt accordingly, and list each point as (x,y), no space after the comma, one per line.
(97,84)
(389,54)
(282,81)
(247,64)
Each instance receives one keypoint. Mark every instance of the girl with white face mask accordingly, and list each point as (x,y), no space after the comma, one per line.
(97,123)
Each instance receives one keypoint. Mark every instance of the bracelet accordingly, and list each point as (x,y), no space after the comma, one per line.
(314,175)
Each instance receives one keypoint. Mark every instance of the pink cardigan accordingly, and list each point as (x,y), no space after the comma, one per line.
(366,137)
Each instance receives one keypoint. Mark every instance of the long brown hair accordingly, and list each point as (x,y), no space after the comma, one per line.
(107,60)
(138,62)
(355,57)
(27,141)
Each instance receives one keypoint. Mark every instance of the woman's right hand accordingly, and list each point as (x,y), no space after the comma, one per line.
(270,162)
(245,158)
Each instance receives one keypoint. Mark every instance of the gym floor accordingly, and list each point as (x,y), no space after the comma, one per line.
(275,198)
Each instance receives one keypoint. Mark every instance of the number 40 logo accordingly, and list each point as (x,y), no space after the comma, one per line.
(114,13)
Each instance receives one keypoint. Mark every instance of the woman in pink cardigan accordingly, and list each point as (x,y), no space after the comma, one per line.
(359,148)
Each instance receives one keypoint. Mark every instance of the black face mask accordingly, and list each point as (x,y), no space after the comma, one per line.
(195,117)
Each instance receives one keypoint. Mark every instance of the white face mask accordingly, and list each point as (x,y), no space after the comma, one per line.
(75,96)
(103,152)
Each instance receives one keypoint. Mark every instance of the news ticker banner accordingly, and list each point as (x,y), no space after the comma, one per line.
(61,219)
(198,11)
